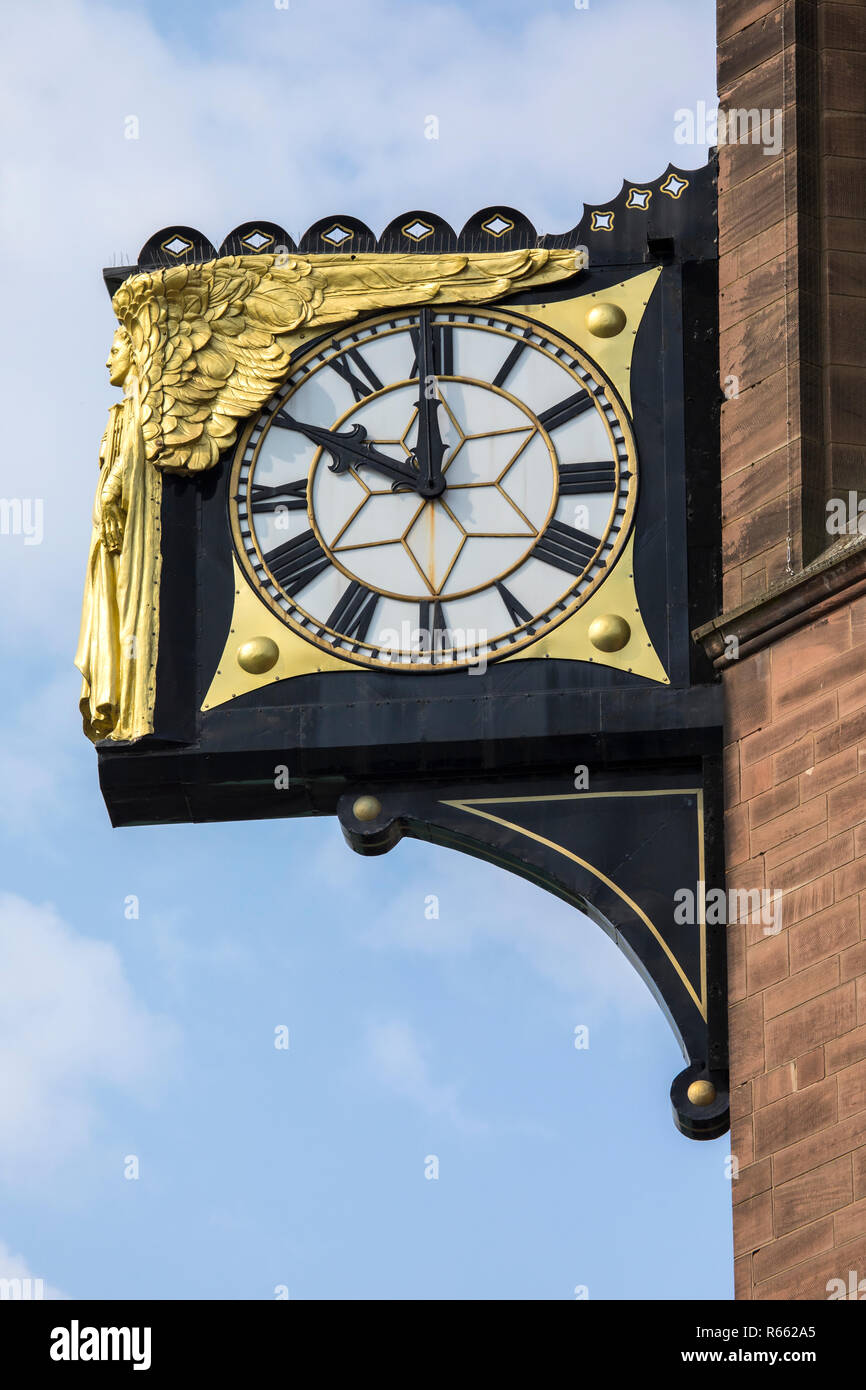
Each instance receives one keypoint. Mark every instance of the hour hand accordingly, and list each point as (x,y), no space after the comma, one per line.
(431,448)
(351,449)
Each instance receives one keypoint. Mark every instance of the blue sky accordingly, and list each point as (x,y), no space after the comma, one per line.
(153,1035)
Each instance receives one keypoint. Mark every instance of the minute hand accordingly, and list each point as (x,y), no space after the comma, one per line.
(430,449)
(350,448)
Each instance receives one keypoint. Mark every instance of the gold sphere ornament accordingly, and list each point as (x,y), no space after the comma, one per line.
(258,655)
(609,632)
(367,808)
(605,320)
(701,1093)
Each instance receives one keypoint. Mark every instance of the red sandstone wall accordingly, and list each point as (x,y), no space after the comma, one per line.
(792,241)
(796,821)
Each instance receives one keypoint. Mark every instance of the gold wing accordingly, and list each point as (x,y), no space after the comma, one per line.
(213,341)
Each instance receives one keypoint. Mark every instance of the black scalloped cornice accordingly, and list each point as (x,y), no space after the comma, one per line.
(672,216)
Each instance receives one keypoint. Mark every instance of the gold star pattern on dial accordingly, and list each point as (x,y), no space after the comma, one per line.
(487,467)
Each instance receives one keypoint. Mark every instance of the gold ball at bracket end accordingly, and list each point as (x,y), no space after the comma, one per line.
(609,632)
(366,808)
(258,655)
(605,320)
(701,1093)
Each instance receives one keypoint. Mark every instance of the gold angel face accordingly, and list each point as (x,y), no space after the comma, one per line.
(119,359)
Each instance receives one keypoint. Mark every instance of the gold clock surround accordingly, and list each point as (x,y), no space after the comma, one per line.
(612,594)
(255,428)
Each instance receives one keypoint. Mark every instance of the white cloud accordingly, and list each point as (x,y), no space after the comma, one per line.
(396,1059)
(32,1285)
(70,1026)
(290,115)
(42,757)
(183,954)
(480,909)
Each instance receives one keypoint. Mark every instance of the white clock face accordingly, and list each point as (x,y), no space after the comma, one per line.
(435,489)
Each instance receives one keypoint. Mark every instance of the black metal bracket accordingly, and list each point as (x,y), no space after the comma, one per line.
(620,853)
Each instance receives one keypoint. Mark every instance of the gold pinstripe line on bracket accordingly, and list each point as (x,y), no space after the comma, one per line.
(469,806)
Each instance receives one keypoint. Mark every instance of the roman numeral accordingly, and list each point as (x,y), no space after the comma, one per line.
(566,410)
(443,350)
(511,361)
(516,611)
(361,386)
(297,562)
(265,497)
(431,618)
(415,335)
(566,547)
(575,478)
(354,612)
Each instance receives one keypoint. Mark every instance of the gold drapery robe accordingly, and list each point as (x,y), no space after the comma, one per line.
(119,632)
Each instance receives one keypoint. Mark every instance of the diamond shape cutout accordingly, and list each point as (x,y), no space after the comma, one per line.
(417,230)
(337,235)
(497,226)
(256,240)
(177,246)
(674,186)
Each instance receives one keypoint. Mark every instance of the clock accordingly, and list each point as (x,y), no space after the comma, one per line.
(369,469)
(434,489)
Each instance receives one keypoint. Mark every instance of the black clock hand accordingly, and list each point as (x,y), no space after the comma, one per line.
(430,449)
(350,448)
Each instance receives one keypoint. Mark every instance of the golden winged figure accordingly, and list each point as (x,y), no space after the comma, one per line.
(199,349)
